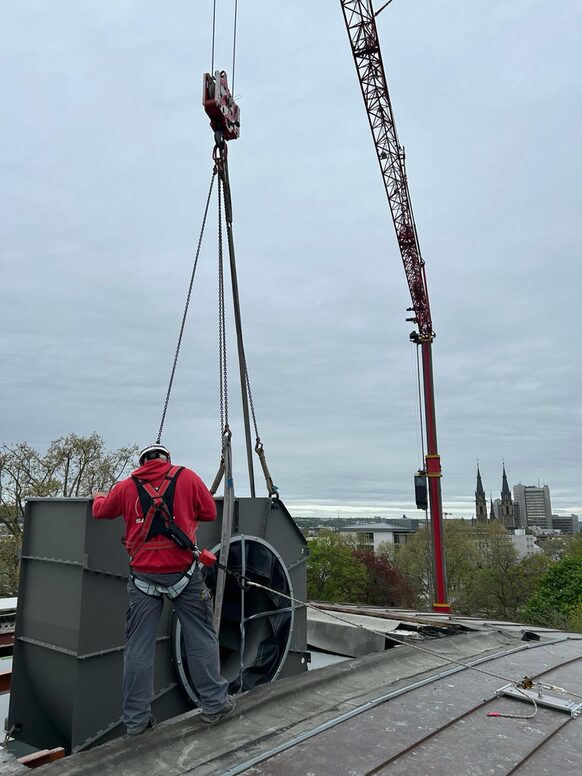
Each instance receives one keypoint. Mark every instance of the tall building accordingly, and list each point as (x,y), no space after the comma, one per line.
(568,524)
(506,508)
(480,500)
(535,509)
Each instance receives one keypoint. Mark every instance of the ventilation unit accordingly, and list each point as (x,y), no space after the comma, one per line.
(72,601)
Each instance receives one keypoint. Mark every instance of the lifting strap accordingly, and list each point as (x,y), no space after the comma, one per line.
(227,520)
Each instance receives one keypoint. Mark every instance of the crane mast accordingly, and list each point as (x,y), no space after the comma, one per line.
(360,22)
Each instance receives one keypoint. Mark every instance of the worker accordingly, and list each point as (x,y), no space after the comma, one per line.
(161,505)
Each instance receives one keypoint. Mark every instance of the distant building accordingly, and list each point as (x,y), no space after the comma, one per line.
(568,524)
(501,509)
(535,509)
(371,536)
(524,543)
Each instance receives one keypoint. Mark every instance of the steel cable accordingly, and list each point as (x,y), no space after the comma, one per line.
(234,44)
(213,36)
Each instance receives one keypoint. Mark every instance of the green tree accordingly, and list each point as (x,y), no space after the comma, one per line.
(73,465)
(333,574)
(484,574)
(575,547)
(558,599)
(9,565)
(414,561)
(501,582)
(556,547)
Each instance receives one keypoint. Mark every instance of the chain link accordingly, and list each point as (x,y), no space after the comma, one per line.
(252,404)
(187,305)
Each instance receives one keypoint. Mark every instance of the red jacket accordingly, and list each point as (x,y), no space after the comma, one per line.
(192,503)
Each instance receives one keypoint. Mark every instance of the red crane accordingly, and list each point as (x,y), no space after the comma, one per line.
(360,21)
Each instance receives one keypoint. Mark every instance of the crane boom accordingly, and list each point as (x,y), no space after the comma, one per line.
(360,22)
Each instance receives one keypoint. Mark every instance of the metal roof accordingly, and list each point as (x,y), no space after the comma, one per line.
(401,711)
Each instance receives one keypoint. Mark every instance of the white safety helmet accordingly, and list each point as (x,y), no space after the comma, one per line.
(153,451)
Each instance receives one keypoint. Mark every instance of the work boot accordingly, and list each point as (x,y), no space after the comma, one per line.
(225,711)
(152,722)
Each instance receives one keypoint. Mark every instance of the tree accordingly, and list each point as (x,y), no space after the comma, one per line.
(484,574)
(385,585)
(501,582)
(558,599)
(72,466)
(556,547)
(9,565)
(414,561)
(575,547)
(333,574)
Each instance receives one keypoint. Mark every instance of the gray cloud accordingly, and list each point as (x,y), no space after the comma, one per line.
(105,157)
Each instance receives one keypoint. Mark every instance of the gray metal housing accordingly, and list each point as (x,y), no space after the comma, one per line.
(72,601)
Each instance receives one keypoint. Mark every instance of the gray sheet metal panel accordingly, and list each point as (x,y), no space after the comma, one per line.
(561,755)
(69,633)
(472,749)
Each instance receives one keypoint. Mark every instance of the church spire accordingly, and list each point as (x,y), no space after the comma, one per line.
(480,500)
(479,493)
(506,515)
(505,492)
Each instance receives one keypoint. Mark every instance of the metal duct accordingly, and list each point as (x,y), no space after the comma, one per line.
(69,634)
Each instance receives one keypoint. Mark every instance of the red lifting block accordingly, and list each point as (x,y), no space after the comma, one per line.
(219,104)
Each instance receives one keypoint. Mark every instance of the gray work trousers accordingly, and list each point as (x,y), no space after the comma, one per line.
(194,609)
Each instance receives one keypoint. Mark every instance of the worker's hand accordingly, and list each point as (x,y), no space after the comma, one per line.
(98,493)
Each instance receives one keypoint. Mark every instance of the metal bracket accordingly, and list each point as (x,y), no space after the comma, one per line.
(565,704)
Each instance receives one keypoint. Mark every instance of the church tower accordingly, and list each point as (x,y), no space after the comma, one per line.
(480,500)
(506,515)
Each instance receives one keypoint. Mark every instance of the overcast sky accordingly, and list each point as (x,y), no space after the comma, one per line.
(105,160)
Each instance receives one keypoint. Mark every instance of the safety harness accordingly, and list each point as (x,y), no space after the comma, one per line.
(171,591)
(159,531)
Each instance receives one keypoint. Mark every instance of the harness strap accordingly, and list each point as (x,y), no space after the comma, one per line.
(170,591)
(157,496)
(157,505)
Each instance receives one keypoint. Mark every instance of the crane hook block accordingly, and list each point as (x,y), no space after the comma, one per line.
(219,104)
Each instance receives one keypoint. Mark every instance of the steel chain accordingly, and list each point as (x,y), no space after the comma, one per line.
(187,305)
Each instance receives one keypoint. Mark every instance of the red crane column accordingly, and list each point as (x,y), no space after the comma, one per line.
(361,26)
